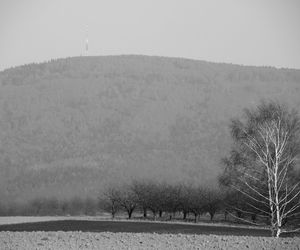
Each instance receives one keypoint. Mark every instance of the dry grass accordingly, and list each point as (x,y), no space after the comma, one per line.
(6,220)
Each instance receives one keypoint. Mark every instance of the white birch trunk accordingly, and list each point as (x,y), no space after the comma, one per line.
(270,152)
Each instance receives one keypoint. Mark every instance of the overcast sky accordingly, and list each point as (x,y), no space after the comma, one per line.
(250,32)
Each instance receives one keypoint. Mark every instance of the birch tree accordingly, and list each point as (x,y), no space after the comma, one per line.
(262,163)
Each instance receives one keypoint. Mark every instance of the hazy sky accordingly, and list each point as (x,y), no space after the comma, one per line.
(251,32)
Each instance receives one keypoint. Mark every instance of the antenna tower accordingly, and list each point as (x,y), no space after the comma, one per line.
(86,43)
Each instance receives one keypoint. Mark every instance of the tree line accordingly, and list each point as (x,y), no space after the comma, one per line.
(51,206)
(145,199)
(155,199)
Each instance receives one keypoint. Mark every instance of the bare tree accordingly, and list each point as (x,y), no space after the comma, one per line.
(155,198)
(194,199)
(235,201)
(172,194)
(142,190)
(212,200)
(110,201)
(261,166)
(127,199)
(184,200)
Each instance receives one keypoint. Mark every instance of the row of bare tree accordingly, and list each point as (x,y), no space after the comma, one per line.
(158,198)
(152,199)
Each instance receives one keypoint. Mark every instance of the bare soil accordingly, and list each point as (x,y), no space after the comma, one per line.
(107,240)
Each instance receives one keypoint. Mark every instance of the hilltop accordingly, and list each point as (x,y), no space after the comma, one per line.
(70,126)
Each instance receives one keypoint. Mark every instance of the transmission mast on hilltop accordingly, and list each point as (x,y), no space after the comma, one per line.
(86,43)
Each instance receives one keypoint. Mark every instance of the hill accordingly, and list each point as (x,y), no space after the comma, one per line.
(70,126)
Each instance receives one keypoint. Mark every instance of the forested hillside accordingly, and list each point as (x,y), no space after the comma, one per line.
(70,126)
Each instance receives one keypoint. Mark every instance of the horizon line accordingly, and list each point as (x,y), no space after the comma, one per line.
(147,55)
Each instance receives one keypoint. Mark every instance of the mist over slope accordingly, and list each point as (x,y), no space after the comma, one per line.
(69,126)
